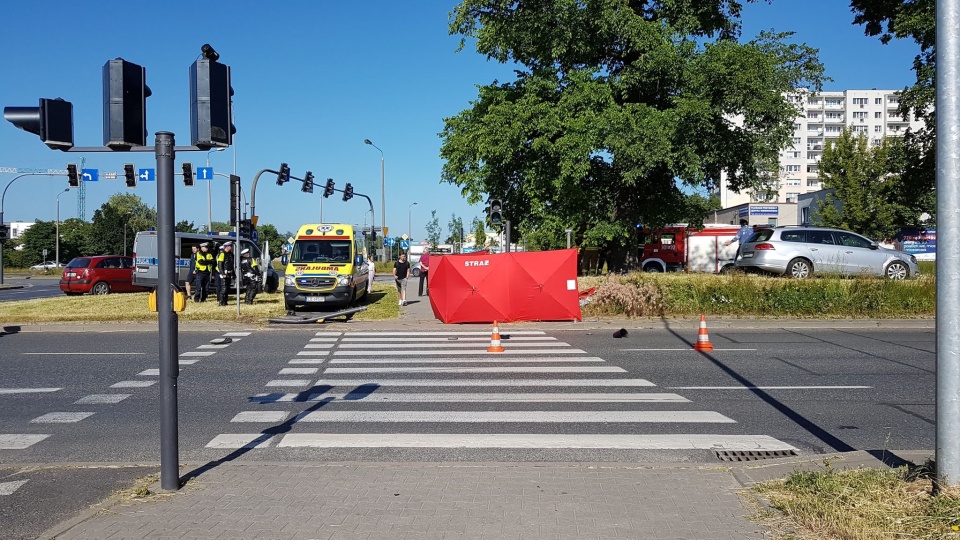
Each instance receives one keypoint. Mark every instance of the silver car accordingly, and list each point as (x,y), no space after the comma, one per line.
(801,252)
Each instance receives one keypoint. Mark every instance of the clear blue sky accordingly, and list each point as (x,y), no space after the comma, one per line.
(313,79)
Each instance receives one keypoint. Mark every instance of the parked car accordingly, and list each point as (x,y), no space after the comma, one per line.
(801,252)
(46,265)
(101,274)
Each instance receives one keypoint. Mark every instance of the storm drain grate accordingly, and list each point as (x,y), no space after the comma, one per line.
(753,455)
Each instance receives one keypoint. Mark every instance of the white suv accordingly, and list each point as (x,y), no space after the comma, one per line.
(801,252)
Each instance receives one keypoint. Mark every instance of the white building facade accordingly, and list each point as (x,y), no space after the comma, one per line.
(870,112)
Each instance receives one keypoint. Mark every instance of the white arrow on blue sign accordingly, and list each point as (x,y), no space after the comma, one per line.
(90,175)
(389,241)
(204,173)
(146,175)
(405,244)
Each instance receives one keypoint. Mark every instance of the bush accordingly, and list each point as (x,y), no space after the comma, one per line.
(631,299)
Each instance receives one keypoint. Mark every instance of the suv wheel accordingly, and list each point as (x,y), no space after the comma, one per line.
(897,270)
(799,268)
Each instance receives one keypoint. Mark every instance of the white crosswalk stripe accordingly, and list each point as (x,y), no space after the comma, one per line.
(8,488)
(376,390)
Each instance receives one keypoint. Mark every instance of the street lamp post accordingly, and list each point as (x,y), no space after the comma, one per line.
(383,200)
(125,223)
(58,223)
(410,223)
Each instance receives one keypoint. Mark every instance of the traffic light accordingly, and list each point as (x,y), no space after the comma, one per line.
(188,174)
(496,212)
(307,183)
(347,192)
(284,175)
(52,121)
(73,179)
(246,228)
(125,94)
(328,189)
(4,233)
(130,175)
(234,198)
(211,102)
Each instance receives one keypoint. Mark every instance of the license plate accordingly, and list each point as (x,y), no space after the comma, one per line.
(71,274)
(747,255)
(142,270)
(315,298)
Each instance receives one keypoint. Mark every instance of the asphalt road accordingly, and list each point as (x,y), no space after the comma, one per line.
(292,395)
(30,288)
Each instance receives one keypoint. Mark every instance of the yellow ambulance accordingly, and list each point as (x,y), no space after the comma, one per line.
(325,267)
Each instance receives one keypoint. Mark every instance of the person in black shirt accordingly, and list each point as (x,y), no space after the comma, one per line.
(400,270)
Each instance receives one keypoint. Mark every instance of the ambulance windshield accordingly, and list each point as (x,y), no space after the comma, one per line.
(327,251)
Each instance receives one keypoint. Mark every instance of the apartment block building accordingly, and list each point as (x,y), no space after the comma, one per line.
(870,112)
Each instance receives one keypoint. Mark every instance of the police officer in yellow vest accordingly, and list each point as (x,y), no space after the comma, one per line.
(250,273)
(225,272)
(204,265)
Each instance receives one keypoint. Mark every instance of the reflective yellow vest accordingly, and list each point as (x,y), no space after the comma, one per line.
(204,261)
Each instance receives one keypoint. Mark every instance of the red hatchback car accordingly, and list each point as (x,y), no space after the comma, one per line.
(100,274)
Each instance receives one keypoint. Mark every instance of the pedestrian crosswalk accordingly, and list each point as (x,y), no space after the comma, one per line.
(443,390)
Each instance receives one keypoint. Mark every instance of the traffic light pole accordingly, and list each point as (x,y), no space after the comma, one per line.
(4,198)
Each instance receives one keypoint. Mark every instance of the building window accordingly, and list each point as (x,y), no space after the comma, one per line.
(795,140)
(813,155)
(813,183)
(813,169)
(796,127)
(794,154)
(833,129)
(793,168)
(878,115)
(878,101)
(773,221)
(860,115)
(833,102)
(792,182)
(877,129)
(834,116)
(813,115)
(860,129)
(859,101)
(792,197)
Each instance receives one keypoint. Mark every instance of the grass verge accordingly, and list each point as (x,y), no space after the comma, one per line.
(133,307)
(863,504)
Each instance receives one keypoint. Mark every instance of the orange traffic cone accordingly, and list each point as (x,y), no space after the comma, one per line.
(495,339)
(703,339)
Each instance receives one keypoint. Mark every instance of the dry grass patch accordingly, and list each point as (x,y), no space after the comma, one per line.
(133,307)
(863,504)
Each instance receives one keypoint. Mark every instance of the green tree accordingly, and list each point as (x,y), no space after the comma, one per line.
(479,233)
(865,198)
(455,228)
(269,233)
(433,230)
(185,226)
(74,236)
(38,237)
(615,102)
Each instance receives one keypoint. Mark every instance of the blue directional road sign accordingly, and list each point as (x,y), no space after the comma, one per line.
(405,244)
(390,241)
(146,175)
(89,175)
(204,173)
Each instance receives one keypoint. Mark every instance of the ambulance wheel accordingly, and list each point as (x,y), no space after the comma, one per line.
(353,298)
(290,306)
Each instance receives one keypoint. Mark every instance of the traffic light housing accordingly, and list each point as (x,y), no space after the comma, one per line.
(125,94)
(496,212)
(328,189)
(347,192)
(246,228)
(211,104)
(234,198)
(4,233)
(188,174)
(307,183)
(130,175)
(284,175)
(52,121)
(73,178)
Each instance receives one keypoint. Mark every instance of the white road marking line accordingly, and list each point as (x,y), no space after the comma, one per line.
(478,351)
(443,339)
(327,334)
(318,345)
(313,353)
(241,440)
(61,417)
(770,387)
(218,346)
(454,344)
(28,390)
(237,334)
(289,382)
(323,340)
(625,383)
(306,361)
(582,417)
(610,442)
(298,371)
(461,360)
(261,416)
(198,353)
(503,331)
(101,399)
(152,372)
(687,349)
(7,488)
(15,441)
(503,369)
(188,361)
(87,353)
(385,397)
(133,384)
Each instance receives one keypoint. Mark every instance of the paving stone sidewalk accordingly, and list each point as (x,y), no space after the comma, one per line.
(430,500)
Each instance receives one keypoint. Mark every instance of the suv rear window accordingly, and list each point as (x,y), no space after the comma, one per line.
(80,262)
(793,236)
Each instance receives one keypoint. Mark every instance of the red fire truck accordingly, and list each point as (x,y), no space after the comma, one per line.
(680,248)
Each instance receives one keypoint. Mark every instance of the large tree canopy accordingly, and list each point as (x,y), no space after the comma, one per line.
(615,103)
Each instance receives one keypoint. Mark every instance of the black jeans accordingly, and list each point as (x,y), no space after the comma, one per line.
(424,284)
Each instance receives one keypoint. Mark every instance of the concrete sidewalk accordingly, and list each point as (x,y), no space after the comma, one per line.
(350,500)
